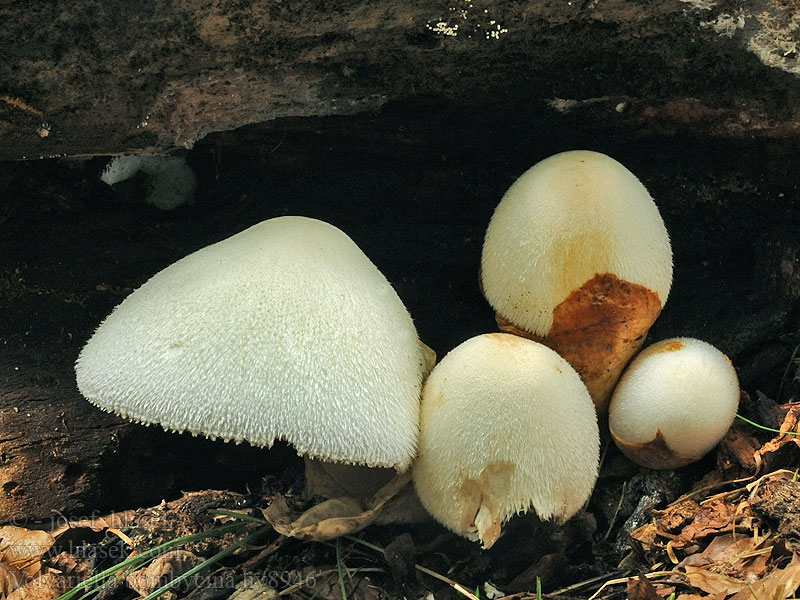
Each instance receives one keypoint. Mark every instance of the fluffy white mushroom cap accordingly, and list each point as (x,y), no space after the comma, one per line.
(506,424)
(684,390)
(283,331)
(567,218)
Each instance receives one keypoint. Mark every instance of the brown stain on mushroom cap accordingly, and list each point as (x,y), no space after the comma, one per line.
(597,329)
(672,346)
(505,339)
(481,494)
(655,454)
(435,400)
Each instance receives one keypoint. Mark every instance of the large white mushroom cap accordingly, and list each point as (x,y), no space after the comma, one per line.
(674,403)
(283,331)
(568,218)
(506,424)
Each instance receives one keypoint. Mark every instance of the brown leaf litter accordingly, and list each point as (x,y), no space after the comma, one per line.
(164,569)
(21,551)
(728,544)
(742,543)
(335,517)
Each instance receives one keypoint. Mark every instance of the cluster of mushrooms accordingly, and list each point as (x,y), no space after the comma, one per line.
(576,264)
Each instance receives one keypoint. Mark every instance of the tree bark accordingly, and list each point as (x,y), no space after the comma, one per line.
(111,76)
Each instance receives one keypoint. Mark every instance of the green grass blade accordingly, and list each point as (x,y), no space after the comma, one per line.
(210,561)
(339,567)
(146,556)
(765,428)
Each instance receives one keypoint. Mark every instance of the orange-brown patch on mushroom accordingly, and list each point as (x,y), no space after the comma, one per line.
(656,454)
(504,340)
(597,329)
(671,347)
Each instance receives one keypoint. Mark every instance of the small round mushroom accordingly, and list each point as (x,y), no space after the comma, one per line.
(576,256)
(283,331)
(505,424)
(674,403)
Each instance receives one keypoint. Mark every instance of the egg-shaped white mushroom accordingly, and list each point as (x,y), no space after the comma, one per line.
(283,331)
(674,403)
(506,424)
(577,256)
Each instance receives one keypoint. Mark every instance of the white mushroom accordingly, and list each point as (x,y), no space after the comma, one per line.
(172,181)
(506,424)
(674,403)
(283,331)
(576,256)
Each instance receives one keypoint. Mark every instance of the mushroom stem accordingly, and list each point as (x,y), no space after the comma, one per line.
(597,329)
(577,257)
(336,480)
(333,480)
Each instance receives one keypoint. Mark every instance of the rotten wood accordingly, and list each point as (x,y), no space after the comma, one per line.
(101,77)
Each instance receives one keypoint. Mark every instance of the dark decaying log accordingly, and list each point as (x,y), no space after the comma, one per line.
(110,76)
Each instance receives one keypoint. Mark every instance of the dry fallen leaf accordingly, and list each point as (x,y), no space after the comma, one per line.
(686,526)
(778,585)
(712,582)
(335,517)
(736,452)
(10,579)
(162,570)
(69,564)
(117,519)
(727,549)
(773,454)
(713,517)
(46,587)
(641,589)
(23,548)
(253,589)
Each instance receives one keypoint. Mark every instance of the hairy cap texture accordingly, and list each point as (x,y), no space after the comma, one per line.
(674,403)
(568,218)
(505,425)
(283,331)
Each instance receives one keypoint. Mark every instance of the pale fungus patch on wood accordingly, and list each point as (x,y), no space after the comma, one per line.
(283,331)
(674,403)
(468,21)
(506,425)
(172,181)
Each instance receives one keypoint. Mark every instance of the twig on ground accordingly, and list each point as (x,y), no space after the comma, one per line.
(257,560)
(616,510)
(456,586)
(584,583)
(626,579)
